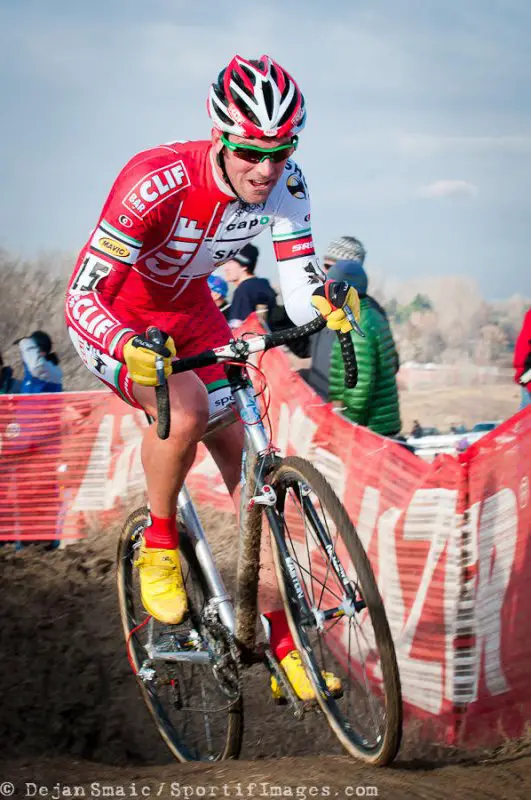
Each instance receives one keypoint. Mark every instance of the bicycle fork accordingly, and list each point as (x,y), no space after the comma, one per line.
(313,617)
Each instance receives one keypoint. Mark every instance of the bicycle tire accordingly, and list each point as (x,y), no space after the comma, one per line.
(296,471)
(131,612)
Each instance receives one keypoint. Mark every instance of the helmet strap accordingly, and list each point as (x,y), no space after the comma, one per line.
(220,158)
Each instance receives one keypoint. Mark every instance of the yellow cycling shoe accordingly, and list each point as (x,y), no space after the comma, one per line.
(161,584)
(301,684)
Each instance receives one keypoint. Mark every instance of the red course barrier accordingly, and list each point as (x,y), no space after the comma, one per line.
(449,541)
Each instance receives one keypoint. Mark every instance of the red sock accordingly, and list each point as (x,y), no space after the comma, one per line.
(281,640)
(162,533)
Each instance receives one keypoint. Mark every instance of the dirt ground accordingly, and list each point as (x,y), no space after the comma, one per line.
(71,714)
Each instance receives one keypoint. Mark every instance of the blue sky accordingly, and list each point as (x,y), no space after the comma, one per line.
(418,138)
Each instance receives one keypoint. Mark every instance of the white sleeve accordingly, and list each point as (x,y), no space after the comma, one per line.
(298,267)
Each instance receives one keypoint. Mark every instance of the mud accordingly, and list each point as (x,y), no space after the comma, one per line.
(71,714)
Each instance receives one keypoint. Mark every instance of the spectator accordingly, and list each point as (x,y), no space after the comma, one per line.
(416,430)
(219,289)
(522,361)
(374,402)
(42,372)
(345,248)
(350,249)
(250,291)
(8,384)
(41,427)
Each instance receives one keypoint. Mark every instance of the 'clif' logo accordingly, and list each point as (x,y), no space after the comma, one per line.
(155,187)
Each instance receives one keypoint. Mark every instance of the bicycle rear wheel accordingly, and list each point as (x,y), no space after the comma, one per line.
(335,612)
(196,705)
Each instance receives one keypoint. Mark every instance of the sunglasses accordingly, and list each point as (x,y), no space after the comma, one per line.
(255,155)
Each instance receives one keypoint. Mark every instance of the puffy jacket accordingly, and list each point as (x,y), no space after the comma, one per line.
(374,401)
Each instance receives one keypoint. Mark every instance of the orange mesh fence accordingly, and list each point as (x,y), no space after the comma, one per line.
(62,457)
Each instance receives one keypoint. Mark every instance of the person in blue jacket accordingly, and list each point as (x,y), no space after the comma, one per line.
(8,384)
(42,372)
(40,427)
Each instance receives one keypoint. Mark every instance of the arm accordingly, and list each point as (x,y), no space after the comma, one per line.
(240,307)
(298,267)
(111,252)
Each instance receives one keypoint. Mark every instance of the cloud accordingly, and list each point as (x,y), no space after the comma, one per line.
(448,189)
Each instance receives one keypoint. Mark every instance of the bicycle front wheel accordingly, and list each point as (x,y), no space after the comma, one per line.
(335,612)
(196,704)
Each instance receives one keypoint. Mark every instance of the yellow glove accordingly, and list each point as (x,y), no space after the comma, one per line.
(140,355)
(331,298)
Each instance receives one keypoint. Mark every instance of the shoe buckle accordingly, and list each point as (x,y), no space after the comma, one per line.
(267,497)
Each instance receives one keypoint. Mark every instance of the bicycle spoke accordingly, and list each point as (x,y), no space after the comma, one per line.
(368,693)
(309,562)
(294,551)
(308,571)
(318,581)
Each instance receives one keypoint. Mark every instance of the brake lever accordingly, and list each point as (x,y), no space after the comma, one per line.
(352,319)
(161,389)
(155,336)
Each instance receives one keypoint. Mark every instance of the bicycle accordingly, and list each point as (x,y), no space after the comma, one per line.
(190,675)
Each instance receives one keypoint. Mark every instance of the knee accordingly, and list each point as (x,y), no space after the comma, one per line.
(189,422)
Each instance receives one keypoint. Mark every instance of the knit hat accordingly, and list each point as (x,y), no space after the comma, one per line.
(217,284)
(352,272)
(247,257)
(345,248)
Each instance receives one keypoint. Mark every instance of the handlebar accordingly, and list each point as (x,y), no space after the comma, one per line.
(240,350)
(162,392)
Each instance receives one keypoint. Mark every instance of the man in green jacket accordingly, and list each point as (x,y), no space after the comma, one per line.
(374,402)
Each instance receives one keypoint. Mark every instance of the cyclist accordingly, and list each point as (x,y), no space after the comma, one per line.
(175,213)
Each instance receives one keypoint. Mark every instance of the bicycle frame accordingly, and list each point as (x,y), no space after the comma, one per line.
(257,460)
(256,443)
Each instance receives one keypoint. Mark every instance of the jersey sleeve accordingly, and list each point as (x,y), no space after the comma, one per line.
(102,267)
(130,211)
(298,267)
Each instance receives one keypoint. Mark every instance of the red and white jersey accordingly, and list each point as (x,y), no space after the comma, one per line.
(168,222)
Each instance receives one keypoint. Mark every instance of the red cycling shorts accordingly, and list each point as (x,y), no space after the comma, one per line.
(196,325)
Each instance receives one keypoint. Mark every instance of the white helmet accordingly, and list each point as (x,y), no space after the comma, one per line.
(256,99)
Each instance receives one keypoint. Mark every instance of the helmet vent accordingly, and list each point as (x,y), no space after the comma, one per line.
(246,110)
(268,98)
(291,108)
(250,74)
